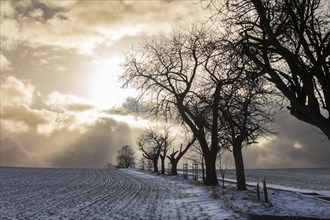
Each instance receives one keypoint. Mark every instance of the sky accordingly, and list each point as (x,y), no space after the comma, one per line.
(60,62)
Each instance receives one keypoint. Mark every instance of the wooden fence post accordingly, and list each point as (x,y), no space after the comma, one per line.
(258,192)
(195,171)
(185,171)
(265,192)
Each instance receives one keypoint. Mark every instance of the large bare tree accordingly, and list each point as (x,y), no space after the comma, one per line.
(287,42)
(247,110)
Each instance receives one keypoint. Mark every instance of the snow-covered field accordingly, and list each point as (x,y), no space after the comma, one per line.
(34,193)
(102,194)
(317,179)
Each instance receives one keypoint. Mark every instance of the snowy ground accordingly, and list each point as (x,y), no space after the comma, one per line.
(283,203)
(103,194)
(31,193)
(310,179)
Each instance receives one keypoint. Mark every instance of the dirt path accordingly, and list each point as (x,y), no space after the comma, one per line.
(102,194)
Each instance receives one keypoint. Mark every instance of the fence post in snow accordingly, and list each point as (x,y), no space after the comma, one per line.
(258,192)
(265,192)
(169,169)
(185,171)
(195,171)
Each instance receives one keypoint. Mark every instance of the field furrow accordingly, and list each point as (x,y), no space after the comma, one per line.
(100,194)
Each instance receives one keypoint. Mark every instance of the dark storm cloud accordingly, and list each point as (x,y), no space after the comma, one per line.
(27,8)
(97,146)
(12,153)
(296,145)
(65,147)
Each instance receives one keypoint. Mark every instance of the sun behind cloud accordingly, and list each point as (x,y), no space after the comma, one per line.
(104,88)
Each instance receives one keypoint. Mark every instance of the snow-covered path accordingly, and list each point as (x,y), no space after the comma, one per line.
(103,194)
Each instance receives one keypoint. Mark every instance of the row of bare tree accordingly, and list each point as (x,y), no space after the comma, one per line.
(223,81)
(194,77)
(155,143)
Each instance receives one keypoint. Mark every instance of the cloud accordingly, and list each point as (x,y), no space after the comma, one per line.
(65,102)
(70,25)
(61,68)
(36,9)
(297,145)
(67,132)
(15,91)
(24,114)
(97,146)
(5,64)
(12,153)
(17,115)
(69,148)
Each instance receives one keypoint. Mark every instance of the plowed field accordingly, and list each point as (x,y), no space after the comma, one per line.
(33,193)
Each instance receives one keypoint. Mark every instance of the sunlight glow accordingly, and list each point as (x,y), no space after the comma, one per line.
(297,145)
(132,121)
(104,90)
(104,87)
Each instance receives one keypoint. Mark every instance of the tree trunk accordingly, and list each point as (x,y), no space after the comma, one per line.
(223,179)
(162,159)
(203,170)
(211,174)
(174,164)
(155,162)
(239,164)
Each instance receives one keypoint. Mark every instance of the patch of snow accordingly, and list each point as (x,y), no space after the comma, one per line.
(286,188)
(282,203)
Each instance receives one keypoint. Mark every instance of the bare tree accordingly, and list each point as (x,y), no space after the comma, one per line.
(126,157)
(288,42)
(166,144)
(175,156)
(246,113)
(150,145)
(154,142)
(223,164)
